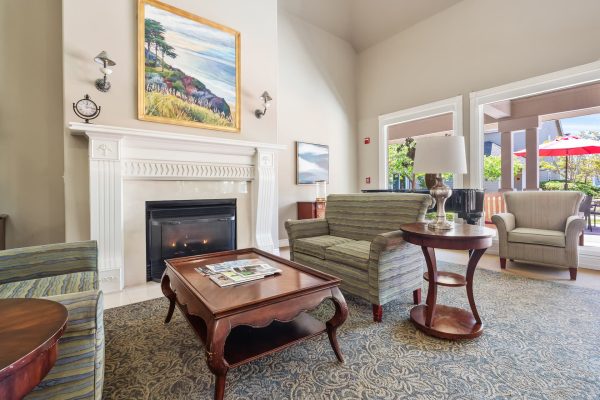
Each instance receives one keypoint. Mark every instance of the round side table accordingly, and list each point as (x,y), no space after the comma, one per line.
(437,319)
(29,333)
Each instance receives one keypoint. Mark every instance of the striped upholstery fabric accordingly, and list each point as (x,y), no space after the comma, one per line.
(316,246)
(353,279)
(78,372)
(50,286)
(373,262)
(354,253)
(48,260)
(362,216)
(395,267)
(66,273)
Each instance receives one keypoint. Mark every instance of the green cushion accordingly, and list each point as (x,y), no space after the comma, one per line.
(537,236)
(316,246)
(49,286)
(354,253)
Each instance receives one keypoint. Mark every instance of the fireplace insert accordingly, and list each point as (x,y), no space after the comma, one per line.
(187,227)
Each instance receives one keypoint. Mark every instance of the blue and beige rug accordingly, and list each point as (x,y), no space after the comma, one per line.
(541,341)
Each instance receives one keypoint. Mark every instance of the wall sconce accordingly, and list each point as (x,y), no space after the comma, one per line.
(266,98)
(103,84)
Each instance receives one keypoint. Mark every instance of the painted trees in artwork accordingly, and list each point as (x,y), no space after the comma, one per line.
(155,38)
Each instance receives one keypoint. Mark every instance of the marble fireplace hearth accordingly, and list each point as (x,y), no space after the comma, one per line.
(130,166)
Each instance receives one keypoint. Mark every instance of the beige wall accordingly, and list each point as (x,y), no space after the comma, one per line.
(111,25)
(31,140)
(474,45)
(316,104)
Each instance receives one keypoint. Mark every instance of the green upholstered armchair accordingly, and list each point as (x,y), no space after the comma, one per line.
(359,241)
(66,273)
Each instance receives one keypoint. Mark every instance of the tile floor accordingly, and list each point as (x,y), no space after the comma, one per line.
(585,278)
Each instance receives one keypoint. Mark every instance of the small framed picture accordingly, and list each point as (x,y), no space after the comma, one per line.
(312,163)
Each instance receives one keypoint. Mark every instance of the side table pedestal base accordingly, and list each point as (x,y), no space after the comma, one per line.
(447,322)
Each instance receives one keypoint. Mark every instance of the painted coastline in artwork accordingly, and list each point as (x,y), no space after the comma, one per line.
(312,163)
(190,71)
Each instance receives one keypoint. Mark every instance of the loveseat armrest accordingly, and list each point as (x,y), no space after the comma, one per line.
(306,228)
(48,260)
(395,267)
(574,227)
(80,364)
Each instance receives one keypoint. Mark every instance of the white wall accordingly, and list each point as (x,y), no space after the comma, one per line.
(474,45)
(317,104)
(31,140)
(90,26)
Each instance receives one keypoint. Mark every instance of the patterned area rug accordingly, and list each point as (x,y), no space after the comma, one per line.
(541,341)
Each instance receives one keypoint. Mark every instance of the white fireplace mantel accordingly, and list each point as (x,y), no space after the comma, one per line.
(117,154)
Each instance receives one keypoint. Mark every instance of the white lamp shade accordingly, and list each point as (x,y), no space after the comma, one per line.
(440,154)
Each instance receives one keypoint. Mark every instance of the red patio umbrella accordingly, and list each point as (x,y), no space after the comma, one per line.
(566,146)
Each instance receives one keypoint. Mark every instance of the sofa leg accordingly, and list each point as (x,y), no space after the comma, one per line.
(417,296)
(502,263)
(573,272)
(377,313)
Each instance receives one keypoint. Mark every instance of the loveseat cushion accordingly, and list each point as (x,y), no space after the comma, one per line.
(543,237)
(316,245)
(49,286)
(354,253)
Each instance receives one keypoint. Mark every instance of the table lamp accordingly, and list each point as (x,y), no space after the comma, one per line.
(437,155)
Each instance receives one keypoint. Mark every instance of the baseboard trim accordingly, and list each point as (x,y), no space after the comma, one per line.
(284,243)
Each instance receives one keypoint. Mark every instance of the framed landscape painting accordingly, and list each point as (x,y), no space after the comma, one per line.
(188,69)
(312,163)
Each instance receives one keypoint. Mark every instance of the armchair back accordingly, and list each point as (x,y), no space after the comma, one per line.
(48,260)
(365,215)
(543,210)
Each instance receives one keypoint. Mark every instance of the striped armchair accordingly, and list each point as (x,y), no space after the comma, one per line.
(359,242)
(66,273)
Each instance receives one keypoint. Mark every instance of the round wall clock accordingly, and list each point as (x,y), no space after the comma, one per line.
(86,109)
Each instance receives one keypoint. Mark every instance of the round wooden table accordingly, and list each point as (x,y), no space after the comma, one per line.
(437,319)
(29,333)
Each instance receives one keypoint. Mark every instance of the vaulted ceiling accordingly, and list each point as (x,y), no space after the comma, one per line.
(364,23)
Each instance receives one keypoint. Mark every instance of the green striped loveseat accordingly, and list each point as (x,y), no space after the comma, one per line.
(66,273)
(359,242)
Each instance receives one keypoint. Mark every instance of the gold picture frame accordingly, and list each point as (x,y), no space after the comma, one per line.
(183,94)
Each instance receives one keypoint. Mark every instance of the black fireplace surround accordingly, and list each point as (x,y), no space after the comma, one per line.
(182,228)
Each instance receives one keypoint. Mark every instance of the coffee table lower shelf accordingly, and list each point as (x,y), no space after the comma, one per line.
(245,343)
(447,322)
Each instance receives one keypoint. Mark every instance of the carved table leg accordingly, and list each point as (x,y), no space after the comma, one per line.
(473,260)
(165,285)
(341,313)
(217,333)
(429,253)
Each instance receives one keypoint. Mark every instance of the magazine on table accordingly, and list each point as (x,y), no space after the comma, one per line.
(237,272)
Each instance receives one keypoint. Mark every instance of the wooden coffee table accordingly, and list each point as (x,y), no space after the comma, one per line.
(29,333)
(436,319)
(242,323)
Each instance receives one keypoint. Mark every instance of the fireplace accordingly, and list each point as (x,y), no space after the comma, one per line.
(187,227)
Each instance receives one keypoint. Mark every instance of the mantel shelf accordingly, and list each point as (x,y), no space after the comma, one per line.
(80,128)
